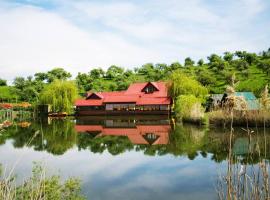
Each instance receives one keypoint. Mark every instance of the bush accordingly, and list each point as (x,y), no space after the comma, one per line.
(188,108)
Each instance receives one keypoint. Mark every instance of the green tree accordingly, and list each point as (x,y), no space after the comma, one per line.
(114,71)
(181,84)
(228,56)
(60,94)
(57,73)
(98,73)
(200,62)
(189,62)
(3,82)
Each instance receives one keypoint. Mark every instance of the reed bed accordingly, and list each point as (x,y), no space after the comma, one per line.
(243,181)
(250,118)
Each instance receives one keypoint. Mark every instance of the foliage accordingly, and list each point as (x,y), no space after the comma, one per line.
(8,94)
(38,186)
(60,94)
(188,107)
(181,84)
(3,82)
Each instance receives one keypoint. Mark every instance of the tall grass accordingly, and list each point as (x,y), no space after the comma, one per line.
(39,186)
(241,180)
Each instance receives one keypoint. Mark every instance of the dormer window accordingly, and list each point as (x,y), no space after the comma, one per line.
(94,96)
(150,88)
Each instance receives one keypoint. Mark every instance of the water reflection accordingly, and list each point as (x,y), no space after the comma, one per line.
(138,131)
(142,157)
(150,135)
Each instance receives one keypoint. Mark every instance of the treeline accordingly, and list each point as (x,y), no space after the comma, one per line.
(251,70)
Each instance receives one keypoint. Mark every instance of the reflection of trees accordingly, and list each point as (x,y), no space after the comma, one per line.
(115,145)
(58,136)
(55,137)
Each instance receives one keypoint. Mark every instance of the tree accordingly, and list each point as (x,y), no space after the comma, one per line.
(97,73)
(41,76)
(175,66)
(200,62)
(60,94)
(57,73)
(265,65)
(180,84)
(205,78)
(3,82)
(84,82)
(189,62)
(114,72)
(228,56)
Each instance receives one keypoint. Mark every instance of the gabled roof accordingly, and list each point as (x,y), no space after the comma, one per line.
(150,83)
(136,88)
(134,94)
(94,94)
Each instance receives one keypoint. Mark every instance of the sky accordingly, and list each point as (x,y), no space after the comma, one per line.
(79,35)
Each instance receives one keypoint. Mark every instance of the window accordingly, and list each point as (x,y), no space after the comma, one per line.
(119,106)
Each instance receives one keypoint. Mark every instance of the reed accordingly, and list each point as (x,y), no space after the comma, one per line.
(241,180)
(39,186)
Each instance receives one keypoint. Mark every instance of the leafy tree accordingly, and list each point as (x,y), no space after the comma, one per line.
(57,73)
(41,76)
(200,62)
(114,72)
(189,62)
(27,89)
(3,82)
(60,94)
(265,65)
(180,84)
(188,107)
(175,66)
(214,58)
(241,65)
(228,56)
(205,78)
(84,82)
(8,94)
(98,73)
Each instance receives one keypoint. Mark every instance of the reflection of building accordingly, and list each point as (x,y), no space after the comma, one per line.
(138,131)
(139,98)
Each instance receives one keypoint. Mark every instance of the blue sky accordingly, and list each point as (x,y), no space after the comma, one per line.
(79,35)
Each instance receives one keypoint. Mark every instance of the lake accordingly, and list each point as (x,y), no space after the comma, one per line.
(142,157)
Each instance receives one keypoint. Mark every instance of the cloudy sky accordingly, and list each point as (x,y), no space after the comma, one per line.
(38,35)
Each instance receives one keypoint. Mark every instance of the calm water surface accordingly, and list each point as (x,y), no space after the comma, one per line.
(129,157)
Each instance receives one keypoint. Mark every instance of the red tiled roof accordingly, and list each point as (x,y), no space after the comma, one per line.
(132,94)
(92,102)
(136,88)
(153,101)
(120,99)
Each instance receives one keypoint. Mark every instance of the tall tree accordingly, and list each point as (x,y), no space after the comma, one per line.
(57,73)
(3,82)
(61,95)
(189,62)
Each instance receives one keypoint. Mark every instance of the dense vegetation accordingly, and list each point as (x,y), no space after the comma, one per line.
(252,74)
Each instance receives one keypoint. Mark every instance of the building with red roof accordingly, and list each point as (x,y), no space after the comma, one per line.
(139,98)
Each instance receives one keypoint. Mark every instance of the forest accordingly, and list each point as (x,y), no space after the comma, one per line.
(193,79)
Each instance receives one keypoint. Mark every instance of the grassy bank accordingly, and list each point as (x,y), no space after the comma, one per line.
(250,118)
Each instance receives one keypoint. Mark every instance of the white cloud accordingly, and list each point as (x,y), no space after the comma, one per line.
(79,35)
